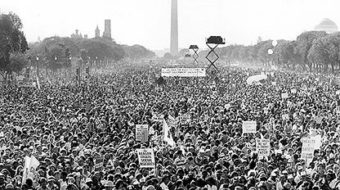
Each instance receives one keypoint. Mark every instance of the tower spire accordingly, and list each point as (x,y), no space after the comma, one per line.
(174,28)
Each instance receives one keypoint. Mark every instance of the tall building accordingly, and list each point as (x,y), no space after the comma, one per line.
(97,32)
(107,30)
(174,28)
(327,25)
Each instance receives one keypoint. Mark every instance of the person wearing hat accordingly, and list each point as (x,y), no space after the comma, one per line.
(109,185)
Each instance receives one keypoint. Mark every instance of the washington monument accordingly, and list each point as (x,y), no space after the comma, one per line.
(174,28)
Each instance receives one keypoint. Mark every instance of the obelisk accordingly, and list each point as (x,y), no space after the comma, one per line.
(174,28)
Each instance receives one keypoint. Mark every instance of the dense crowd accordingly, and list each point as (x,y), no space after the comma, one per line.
(83,135)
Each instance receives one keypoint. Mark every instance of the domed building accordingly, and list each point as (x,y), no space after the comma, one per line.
(327,25)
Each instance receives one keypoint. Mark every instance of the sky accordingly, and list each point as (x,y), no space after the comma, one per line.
(147,22)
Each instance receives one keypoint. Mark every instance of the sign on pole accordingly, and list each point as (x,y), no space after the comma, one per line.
(263,147)
(249,127)
(142,133)
(146,158)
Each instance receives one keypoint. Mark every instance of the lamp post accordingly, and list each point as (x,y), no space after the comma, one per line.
(271,51)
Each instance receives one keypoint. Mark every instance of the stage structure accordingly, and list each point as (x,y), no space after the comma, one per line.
(213,42)
(195,55)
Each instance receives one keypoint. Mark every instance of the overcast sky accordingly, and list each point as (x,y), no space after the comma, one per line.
(147,22)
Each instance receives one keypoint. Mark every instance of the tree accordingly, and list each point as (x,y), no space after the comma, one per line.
(325,52)
(262,53)
(102,49)
(18,61)
(168,56)
(303,44)
(12,41)
(183,52)
(284,53)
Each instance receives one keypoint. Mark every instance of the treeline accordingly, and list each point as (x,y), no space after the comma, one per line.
(315,51)
(58,51)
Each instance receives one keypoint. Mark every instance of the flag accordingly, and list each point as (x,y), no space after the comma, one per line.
(38,83)
(30,166)
(26,169)
(167,134)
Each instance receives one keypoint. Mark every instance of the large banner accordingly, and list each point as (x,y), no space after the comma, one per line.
(146,158)
(183,72)
(263,147)
(249,127)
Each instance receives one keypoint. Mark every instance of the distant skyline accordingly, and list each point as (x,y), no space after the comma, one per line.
(147,22)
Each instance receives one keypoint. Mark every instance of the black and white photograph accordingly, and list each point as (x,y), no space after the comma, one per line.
(169,95)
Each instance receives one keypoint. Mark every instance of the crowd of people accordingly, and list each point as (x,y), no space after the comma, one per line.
(82,136)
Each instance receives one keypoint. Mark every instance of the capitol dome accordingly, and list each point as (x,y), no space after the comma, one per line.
(327,25)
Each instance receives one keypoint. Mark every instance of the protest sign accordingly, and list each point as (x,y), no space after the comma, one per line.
(227,106)
(285,117)
(68,146)
(265,110)
(99,163)
(184,119)
(293,91)
(146,158)
(142,133)
(308,147)
(183,72)
(284,95)
(263,147)
(249,127)
(157,118)
(318,119)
